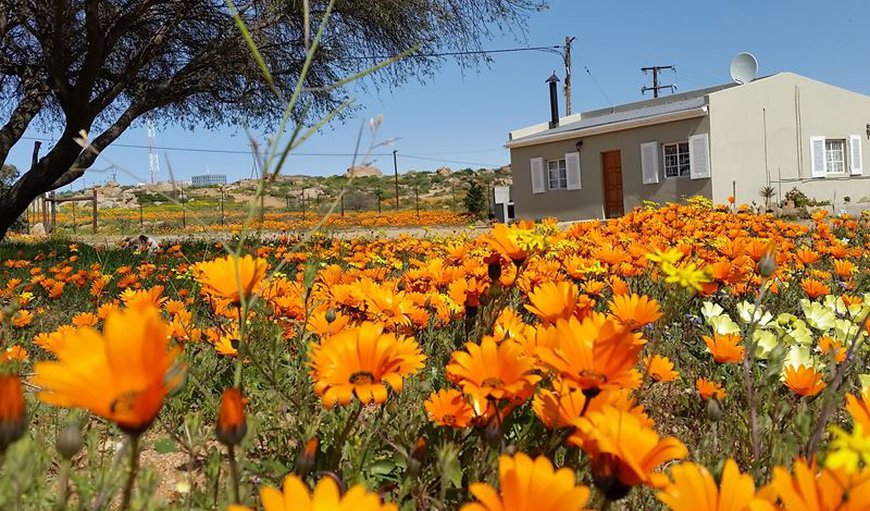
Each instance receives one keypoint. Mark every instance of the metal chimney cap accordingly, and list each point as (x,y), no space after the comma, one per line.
(553,78)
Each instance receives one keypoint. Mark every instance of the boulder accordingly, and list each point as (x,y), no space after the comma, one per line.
(363,171)
(444,171)
(37,229)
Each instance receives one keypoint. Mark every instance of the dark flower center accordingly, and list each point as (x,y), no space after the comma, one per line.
(362,378)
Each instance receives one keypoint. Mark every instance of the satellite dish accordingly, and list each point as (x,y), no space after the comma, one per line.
(744,68)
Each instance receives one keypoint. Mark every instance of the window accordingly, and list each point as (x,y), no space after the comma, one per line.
(835,156)
(558,174)
(677,163)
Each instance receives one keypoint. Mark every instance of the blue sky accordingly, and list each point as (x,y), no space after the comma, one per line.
(461,118)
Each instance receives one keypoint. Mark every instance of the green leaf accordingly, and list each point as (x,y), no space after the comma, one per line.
(165,445)
(382,467)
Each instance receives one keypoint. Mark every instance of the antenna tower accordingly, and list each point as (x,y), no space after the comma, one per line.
(153,160)
(655,75)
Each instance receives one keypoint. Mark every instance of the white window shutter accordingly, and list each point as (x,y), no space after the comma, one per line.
(817,156)
(855,162)
(572,170)
(699,156)
(649,162)
(538,181)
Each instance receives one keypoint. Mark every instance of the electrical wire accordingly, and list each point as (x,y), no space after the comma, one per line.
(314,154)
(550,49)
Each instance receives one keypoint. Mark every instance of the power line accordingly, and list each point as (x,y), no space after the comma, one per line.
(317,154)
(551,49)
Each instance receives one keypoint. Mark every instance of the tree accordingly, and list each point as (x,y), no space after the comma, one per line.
(100,65)
(475,200)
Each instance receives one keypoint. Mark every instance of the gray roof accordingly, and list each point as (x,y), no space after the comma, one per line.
(633,111)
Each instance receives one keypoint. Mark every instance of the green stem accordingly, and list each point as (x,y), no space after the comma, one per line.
(351,421)
(240,351)
(234,472)
(63,488)
(134,469)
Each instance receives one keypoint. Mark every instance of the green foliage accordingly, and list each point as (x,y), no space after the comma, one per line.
(475,200)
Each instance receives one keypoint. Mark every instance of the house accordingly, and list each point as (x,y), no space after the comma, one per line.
(784,131)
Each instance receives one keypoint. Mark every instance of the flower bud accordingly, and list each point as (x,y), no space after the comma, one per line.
(232,425)
(767,264)
(713,410)
(308,457)
(330,315)
(418,455)
(70,441)
(13,416)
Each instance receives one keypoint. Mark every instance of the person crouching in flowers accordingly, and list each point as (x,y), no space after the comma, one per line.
(361,362)
(122,374)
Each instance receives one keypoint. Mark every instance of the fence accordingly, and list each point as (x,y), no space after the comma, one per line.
(47,205)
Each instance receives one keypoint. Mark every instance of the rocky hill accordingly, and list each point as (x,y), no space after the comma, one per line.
(364,187)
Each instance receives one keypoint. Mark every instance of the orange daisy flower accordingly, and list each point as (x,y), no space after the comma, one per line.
(803,380)
(231,278)
(624,451)
(635,311)
(361,362)
(707,389)
(504,239)
(493,371)
(22,318)
(295,496)
(552,301)
(529,485)
(814,288)
(725,348)
(593,355)
(122,374)
(660,369)
(828,490)
(694,489)
(448,407)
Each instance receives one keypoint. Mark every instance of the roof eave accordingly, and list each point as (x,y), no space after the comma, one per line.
(609,128)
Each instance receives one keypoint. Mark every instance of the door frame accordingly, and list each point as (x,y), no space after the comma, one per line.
(604,183)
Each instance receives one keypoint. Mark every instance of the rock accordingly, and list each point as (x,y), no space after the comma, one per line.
(363,171)
(37,229)
(444,171)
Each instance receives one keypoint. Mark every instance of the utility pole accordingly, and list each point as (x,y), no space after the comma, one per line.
(568,41)
(396,173)
(655,73)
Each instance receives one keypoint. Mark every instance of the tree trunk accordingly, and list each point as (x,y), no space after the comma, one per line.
(65,163)
(38,180)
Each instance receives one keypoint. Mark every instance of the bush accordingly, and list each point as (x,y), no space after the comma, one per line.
(475,200)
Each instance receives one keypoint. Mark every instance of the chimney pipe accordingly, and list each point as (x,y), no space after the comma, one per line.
(554,102)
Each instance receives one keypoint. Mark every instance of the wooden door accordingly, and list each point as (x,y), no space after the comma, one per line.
(611,165)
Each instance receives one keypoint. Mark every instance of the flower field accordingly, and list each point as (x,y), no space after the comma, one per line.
(171,219)
(684,357)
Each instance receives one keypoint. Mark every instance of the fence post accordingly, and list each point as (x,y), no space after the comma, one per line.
(303,204)
(45,212)
(342,203)
(222,206)
(417,200)
(183,208)
(141,220)
(53,206)
(94,202)
(75,227)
